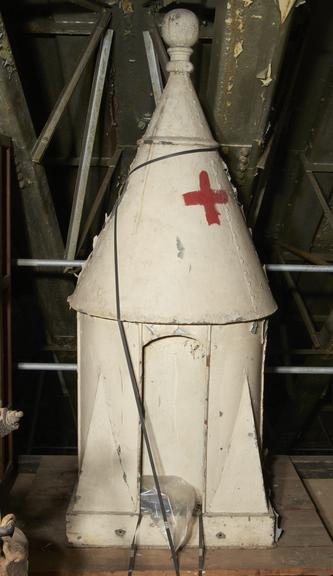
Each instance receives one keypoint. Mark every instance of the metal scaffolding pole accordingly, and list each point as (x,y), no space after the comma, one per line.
(319,370)
(56,367)
(299,268)
(154,67)
(45,136)
(47,263)
(50,263)
(88,144)
(47,366)
(300,304)
(99,198)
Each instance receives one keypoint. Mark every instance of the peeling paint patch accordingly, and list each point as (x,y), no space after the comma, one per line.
(241,26)
(6,55)
(254,327)
(238,49)
(285,8)
(265,76)
(180,248)
(180,331)
(126,6)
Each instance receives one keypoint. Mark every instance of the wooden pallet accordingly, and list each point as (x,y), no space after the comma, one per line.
(40,501)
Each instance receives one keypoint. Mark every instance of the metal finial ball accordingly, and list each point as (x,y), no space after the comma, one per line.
(180,28)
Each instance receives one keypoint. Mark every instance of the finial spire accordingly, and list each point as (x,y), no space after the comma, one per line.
(177,194)
(180,31)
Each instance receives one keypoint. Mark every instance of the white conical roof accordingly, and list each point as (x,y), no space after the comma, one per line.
(185,255)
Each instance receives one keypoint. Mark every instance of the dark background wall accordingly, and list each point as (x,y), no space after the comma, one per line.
(270,109)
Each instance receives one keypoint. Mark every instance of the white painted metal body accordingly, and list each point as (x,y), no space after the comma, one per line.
(194,300)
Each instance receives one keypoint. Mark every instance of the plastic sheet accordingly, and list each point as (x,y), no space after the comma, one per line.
(179,500)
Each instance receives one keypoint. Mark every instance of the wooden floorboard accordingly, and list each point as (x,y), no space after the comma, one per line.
(40,501)
(321,490)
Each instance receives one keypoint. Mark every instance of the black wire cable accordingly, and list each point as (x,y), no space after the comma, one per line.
(133,550)
(173,155)
(139,403)
(133,379)
(201,544)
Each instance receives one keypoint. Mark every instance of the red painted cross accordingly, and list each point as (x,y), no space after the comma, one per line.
(206,197)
